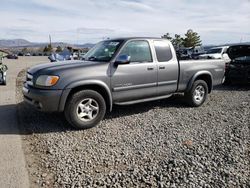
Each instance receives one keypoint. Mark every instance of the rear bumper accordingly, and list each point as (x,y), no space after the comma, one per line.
(44,100)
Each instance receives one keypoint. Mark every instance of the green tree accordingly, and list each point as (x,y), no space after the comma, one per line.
(70,49)
(177,41)
(167,36)
(48,48)
(45,49)
(58,49)
(191,39)
(24,50)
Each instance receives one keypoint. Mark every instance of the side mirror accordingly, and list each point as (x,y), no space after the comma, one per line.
(122,59)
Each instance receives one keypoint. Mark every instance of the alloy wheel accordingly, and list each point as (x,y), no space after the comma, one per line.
(87,110)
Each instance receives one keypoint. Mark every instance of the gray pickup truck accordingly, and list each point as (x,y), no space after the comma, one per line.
(119,71)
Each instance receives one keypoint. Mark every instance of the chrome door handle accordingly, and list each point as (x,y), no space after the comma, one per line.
(150,68)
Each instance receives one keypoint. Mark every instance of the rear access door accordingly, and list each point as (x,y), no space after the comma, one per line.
(168,68)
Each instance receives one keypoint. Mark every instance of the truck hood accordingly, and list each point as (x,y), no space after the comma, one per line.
(238,51)
(60,65)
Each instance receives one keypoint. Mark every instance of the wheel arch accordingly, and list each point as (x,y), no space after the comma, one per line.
(95,85)
(202,75)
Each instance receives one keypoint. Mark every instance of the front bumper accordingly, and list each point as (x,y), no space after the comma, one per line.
(239,75)
(41,99)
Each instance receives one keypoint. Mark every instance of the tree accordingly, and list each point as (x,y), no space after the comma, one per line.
(177,41)
(167,36)
(58,49)
(191,39)
(45,49)
(48,48)
(70,49)
(24,50)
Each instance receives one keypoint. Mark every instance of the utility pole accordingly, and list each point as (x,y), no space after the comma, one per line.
(50,40)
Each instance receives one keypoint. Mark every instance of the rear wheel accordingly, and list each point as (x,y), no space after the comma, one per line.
(197,94)
(85,109)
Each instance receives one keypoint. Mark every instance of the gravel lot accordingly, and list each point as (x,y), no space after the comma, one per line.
(156,144)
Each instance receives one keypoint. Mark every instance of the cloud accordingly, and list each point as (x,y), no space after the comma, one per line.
(91,20)
(94,31)
(135,5)
(18,31)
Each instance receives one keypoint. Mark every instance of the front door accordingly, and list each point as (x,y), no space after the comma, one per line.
(138,79)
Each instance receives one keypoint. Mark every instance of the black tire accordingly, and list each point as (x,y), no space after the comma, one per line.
(191,97)
(72,109)
(4,80)
(227,81)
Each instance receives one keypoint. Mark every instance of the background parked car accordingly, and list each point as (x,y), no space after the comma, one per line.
(215,53)
(190,53)
(62,56)
(12,56)
(238,70)
(27,54)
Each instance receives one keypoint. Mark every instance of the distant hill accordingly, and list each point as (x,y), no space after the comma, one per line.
(87,45)
(227,44)
(242,43)
(17,43)
(14,43)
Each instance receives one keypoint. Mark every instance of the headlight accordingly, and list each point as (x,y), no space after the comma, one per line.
(46,80)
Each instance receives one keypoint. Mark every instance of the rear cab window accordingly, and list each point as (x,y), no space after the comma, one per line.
(163,51)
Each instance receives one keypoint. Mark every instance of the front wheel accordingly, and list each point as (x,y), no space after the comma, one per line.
(4,79)
(85,109)
(197,94)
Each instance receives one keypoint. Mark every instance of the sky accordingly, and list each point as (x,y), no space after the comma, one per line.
(83,21)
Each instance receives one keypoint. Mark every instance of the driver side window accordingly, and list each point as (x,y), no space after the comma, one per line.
(139,51)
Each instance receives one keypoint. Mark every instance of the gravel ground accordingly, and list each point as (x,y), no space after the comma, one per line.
(156,144)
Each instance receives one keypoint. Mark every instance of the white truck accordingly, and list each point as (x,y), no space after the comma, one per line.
(216,53)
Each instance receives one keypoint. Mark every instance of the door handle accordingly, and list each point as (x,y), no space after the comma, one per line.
(161,67)
(150,68)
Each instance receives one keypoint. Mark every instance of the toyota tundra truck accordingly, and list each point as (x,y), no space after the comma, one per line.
(120,71)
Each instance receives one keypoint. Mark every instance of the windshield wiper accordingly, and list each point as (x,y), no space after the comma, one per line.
(92,58)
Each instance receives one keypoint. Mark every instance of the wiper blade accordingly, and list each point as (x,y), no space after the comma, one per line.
(92,58)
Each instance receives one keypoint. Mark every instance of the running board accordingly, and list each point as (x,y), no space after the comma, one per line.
(143,100)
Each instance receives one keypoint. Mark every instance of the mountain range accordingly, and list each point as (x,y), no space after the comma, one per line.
(17,43)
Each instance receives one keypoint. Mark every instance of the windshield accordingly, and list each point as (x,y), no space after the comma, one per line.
(214,51)
(103,51)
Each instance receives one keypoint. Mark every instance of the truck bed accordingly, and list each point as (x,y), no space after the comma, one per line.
(189,67)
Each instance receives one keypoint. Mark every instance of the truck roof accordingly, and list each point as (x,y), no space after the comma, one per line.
(131,38)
